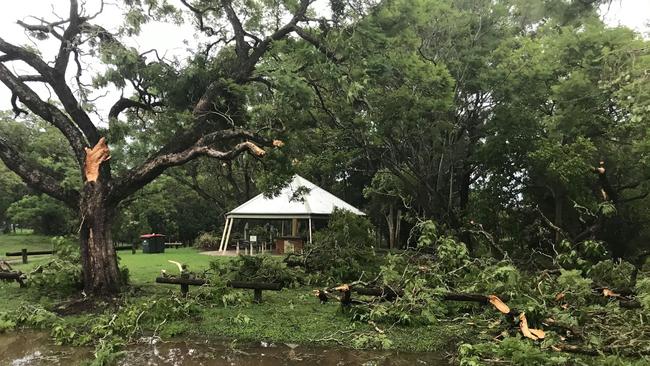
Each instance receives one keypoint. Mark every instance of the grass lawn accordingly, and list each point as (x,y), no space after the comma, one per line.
(292,315)
(144,268)
(18,241)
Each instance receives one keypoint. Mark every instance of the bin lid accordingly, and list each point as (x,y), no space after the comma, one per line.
(147,236)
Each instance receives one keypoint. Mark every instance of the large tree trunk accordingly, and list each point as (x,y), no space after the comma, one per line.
(100,271)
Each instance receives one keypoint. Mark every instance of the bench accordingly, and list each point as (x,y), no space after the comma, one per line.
(257,287)
(184,282)
(24,253)
(174,245)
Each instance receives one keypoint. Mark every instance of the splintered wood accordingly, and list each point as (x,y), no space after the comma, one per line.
(534,334)
(343,288)
(498,304)
(256,150)
(94,158)
(609,293)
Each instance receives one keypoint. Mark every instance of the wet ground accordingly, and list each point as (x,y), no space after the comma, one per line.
(35,348)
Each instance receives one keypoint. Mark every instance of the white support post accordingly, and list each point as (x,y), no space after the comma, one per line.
(223,236)
(225,244)
(310,230)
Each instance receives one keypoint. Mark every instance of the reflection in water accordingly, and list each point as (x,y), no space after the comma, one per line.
(35,348)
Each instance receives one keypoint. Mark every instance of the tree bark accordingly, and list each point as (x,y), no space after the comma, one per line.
(391,228)
(100,271)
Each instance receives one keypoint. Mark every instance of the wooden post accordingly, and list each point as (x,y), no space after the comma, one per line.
(294,227)
(24,255)
(257,295)
(223,236)
(309,229)
(225,244)
(185,287)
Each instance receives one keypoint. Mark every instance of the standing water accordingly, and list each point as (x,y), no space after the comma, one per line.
(35,348)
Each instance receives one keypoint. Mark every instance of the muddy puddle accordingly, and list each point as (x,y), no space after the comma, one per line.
(36,348)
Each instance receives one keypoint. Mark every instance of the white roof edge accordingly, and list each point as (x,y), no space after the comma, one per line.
(316,202)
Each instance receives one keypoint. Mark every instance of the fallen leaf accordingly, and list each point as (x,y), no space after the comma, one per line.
(278,143)
(498,304)
(559,296)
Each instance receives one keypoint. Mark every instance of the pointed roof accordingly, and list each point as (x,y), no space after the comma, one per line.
(301,198)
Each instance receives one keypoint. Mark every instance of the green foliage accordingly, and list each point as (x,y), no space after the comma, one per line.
(343,250)
(643,292)
(259,268)
(582,255)
(113,329)
(207,241)
(29,316)
(575,287)
(43,214)
(451,254)
(63,273)
(614,275)
(516,350)
(371,340)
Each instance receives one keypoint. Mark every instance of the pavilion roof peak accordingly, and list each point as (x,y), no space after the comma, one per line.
(299,198)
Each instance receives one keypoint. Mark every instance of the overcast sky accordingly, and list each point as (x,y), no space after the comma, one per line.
(171,40)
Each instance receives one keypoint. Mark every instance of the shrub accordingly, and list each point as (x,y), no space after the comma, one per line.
(207,241)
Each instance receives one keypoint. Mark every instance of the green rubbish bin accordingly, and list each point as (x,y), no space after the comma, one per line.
(153,243)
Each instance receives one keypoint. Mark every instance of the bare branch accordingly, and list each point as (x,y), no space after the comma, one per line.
(68,39)
(124,103)
(241,46)
(46,111)
(319,44)
(15,108)
(199,13)
(57,81)
(154,166)
(264,45)
(35,177)
(13,52)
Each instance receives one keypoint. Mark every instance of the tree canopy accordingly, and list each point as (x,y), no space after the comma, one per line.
(516,125)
